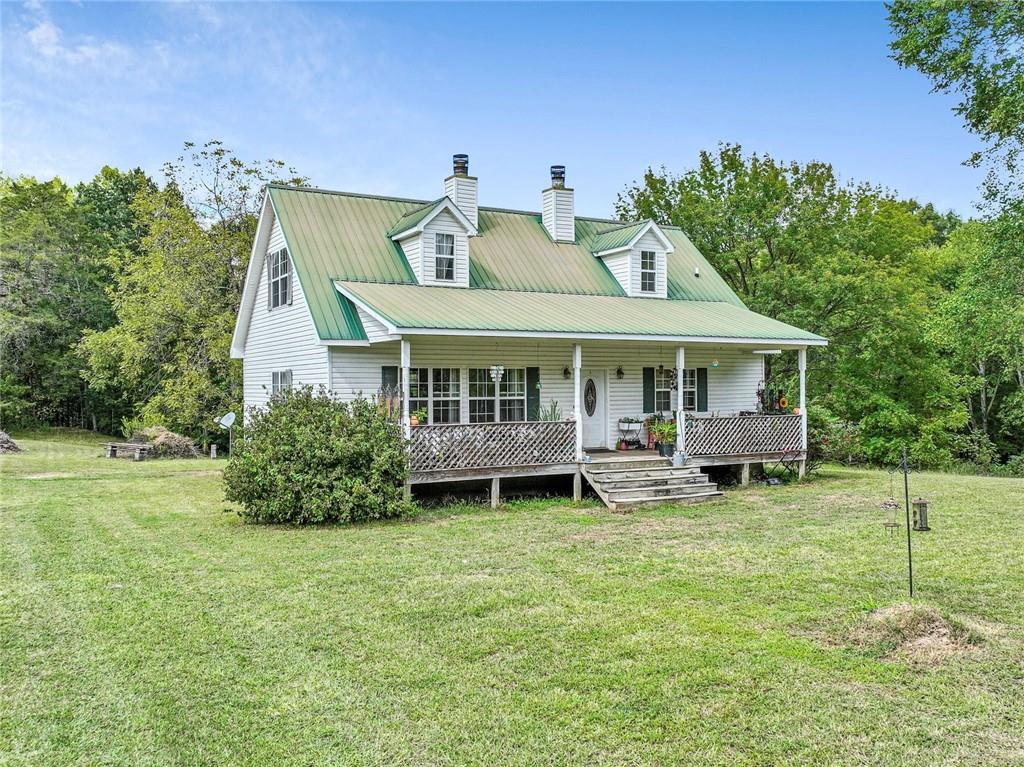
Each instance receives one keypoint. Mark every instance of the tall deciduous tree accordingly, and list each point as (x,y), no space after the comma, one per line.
(176,302)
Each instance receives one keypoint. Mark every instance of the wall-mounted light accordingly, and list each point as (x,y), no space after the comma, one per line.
(565,373)
(714,362)
(619,373)
(497,372)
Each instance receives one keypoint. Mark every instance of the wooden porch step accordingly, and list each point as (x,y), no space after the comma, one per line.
(626,484)
(652,500)
(627,495)
(660,472)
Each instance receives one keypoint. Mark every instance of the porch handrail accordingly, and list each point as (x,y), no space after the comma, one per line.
(743,434)
(456,446)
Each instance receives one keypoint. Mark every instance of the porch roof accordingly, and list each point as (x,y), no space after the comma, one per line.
(430,310)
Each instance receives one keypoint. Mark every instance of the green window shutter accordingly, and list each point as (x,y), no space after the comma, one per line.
(702,390)
(266,259)
(291,276)
(532,394)
(389,378)
(648,390)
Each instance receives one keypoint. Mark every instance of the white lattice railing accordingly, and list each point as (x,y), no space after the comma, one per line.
(742,434)
(451,447)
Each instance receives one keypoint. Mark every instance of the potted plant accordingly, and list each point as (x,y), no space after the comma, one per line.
(665,436)
(629,423)
(418,416)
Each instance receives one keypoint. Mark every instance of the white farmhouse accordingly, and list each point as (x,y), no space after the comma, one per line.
(518,343)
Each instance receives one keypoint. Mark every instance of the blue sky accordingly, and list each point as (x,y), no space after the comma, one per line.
(376,98)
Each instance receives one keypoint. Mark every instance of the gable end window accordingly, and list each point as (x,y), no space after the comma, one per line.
(648,271)
(280,380)
(279,283)
(444,257)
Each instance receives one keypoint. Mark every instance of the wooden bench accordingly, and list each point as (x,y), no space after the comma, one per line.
(137,451)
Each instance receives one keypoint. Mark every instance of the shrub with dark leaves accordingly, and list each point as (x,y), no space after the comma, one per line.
(308,458)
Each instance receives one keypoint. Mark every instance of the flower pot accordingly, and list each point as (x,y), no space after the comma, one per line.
(668,450)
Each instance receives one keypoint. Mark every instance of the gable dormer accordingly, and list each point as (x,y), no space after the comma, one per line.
(435,241)
(637,256)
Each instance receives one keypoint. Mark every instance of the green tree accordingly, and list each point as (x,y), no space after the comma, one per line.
(972,49)
(843,260)
(176,302)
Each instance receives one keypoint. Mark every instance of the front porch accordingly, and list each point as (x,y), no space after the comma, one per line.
(515,408)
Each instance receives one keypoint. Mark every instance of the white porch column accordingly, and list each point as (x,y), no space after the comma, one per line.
(406,357)
(680,413)
(577,384)
(802,358)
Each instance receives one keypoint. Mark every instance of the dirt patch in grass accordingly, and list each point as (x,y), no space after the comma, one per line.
(50,475)
(916,633)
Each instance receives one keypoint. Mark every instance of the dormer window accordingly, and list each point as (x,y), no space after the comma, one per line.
(279,273)
(648,271)
(444,257)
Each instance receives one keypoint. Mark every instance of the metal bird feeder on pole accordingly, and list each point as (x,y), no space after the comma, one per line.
(921,515)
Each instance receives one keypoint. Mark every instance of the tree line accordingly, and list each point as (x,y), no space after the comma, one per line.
(118,296)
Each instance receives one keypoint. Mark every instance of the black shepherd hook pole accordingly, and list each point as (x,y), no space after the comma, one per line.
(904,467)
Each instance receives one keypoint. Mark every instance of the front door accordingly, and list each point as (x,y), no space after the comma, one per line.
(595,421)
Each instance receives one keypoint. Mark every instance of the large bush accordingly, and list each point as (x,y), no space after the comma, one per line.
(308,458)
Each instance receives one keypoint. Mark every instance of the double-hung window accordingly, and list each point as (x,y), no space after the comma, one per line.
(481,396)
(688,390)
(447,395)
(513,395)
(648,271)
(664,379)
(444,257)
(280,380)
(279,273)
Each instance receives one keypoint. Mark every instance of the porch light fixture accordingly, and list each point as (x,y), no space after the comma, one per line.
(619,373)
(714,362)
(497,372)
(566,373)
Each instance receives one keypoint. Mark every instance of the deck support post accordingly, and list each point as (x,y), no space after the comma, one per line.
(577,485)
(406,359)
(744,474)
(577,383)
(495,492)
(680,412)
(407,491)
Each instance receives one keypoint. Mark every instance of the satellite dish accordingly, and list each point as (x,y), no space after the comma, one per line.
(226,421)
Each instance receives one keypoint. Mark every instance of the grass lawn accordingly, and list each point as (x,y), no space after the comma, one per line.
(142,623)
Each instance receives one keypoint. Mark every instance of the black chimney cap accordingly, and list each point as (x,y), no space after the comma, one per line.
(558,175)
(460,164)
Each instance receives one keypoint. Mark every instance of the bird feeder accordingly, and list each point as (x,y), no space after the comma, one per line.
(891,507)
(920,507)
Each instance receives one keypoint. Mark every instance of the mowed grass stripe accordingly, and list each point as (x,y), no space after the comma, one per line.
(538,634)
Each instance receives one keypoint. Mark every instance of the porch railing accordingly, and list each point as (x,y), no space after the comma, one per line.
(453,447)
(743,434)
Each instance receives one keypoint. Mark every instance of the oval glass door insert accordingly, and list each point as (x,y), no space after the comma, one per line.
(590,397)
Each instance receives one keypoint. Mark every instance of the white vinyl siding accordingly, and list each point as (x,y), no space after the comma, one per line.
(558,214)
(650,243)
(281,339)
(618,265)
(412,248)
(444,223)
(731,387)
(374,328)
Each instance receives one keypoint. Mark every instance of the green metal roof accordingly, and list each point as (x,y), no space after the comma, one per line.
(465,309)
(413,217)
(617,238)
(336,235)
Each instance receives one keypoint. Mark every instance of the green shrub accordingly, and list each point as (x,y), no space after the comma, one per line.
(308,459)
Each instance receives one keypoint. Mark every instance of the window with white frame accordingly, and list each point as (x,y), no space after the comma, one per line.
(279,272)
(446,395)
(280,380)
(648,271)
(664,382)
(481,396)
(444,257)
(512,393)
(688,389)
(419,390)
